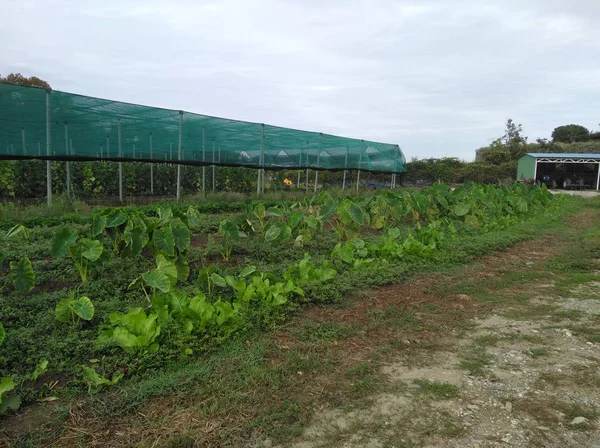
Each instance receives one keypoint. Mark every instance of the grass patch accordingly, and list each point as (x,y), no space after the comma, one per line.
(435,389)
(396,318)
(323,331)
(538,352)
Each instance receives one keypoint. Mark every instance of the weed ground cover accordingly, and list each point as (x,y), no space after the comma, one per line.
(197,364)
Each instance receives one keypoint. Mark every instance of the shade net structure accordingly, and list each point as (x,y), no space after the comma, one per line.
(53,125)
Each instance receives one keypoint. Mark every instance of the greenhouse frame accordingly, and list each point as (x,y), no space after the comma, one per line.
(53,125)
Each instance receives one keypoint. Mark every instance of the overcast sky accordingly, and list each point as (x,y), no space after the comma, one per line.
(439,78)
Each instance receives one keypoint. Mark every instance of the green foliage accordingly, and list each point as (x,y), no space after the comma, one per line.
(2,333)
(72,310)
(133,331)
(230,234)
(570,133)
(306,273)
(96,382)
(22,275)
(39,370)
(8,402)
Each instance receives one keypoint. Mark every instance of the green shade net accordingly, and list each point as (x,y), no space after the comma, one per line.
(86,128)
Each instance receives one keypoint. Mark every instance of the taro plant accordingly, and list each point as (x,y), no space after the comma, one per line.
(96,382)
(305,272)
(8,402)
(163,278)
(132,331)
(230,234)
(21,276)
(353,252)
(262,288)
(87,254)
(73,310)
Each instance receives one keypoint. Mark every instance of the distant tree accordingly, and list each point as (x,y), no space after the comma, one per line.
(513,139)
(495,154)
(570,133)
(20,80)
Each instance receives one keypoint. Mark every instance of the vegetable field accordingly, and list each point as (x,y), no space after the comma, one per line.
(89,305)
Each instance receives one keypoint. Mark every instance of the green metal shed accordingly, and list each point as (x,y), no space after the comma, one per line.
(561,169)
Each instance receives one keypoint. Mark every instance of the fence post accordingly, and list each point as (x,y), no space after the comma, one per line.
(213,166)
(48,150)
(179,154)
(67,163)
(203,160)
(120,163)
(345,166)
(318,161)
(306,190)
(151,167)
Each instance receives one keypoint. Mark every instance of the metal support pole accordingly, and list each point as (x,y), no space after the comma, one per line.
(262,156)
(23,141)
(535,172)
(107,146)
(134,150)
(203,160)
(307,163)
(213,167)
(48,151)
(179,154)
(39,149)
(318,161)
(345,166)
(67,163)
(299,170)
(170,151)
(598,178)
(357,180)
(151,166)
(120,163)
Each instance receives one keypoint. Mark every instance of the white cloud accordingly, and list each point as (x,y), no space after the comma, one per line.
(437,77)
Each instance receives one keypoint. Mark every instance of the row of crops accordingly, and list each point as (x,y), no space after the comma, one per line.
(132,290)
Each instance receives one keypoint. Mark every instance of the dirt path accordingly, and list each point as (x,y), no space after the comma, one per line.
(518,365)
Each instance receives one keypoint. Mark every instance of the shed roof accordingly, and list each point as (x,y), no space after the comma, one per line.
(553,155)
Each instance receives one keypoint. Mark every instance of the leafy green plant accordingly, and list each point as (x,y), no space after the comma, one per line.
(39,370)
(353,252)
(21,276)
(230,234)
(16,230)
(305,272)
(96,382)
(8,401)
(85,253)
(132,331)
(73,310)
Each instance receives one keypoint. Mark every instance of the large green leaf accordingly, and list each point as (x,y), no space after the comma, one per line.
(328,209)
(230,229)
(2,334)
(168,268)
(165,214)
(22,275)
(157,280)
(183,268)
(115,218)
(461,209)
(247,271)
(6,385)
(15,230)
(354,212)
(296,218)
(273,233)
(135,238)
(164,241)
(63,311)
(98,224)
(193,218)
(218,280)
(83,307)
(181,234)
(64,239)
(91,249)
